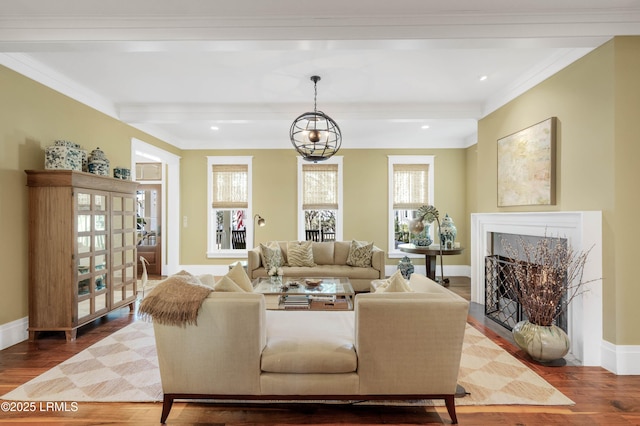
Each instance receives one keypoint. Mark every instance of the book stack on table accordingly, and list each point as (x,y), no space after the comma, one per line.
(328,302)
(295,301)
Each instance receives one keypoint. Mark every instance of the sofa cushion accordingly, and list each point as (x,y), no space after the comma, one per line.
(300,254)
(271,255)
(360,254)
(239,276)
(323,252)
(309,342)
(394,284)
(226,284)
(341,252)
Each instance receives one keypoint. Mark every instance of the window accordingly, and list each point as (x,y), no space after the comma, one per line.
(410,186)
(229,224)
(320,200)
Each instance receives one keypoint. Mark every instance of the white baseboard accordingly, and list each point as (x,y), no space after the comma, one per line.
(14,332)
(623,360)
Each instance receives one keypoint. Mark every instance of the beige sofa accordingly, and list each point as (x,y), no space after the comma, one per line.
(331,260)
(391,346)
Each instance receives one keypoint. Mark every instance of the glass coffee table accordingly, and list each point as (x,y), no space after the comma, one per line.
(318,294)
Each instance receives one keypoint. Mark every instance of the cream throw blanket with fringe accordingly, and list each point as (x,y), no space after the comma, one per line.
(175,301)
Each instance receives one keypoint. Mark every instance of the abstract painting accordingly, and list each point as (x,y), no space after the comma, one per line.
(526,166)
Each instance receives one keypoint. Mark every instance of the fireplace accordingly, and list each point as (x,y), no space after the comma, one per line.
(500,303)
(582,230)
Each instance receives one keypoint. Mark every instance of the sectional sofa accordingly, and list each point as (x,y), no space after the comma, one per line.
(391,346)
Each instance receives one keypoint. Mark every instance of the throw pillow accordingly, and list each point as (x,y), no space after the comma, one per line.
(360,254)
(226,284)
(271,255)
(300,254)
(238,275)
(395,284)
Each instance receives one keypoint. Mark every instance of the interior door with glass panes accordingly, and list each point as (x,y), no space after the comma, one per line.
(92,253)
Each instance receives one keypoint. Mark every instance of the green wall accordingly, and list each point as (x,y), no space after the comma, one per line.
(32,117)
(597,102)
(365,175)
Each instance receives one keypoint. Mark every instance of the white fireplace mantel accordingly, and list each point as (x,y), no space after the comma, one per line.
(583,230)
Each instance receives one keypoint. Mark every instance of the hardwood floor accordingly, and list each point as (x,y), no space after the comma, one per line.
(601,398)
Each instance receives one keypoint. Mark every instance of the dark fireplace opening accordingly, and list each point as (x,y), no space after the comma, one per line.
(501,305)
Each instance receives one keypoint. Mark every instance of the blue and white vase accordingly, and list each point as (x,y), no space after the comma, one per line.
(423,238)
(406,267)
(64,155)
(448,232)
(98,163)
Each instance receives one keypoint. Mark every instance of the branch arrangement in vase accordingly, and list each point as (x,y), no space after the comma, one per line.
(545,276)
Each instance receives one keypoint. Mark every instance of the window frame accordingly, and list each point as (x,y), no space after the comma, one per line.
(212,250)
(406,159)
(336,159)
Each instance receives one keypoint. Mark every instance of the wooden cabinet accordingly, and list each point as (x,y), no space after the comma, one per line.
(82,248)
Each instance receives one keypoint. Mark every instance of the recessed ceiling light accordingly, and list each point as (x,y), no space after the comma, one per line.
(426,126)
(215,128)
(483,77)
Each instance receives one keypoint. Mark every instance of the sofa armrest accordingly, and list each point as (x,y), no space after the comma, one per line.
(378,261)
(253,262)
(219,355)
(409,343)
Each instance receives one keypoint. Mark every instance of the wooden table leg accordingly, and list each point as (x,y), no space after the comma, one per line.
(430,264)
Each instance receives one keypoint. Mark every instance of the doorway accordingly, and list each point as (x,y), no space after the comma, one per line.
(153,165)
(149,215)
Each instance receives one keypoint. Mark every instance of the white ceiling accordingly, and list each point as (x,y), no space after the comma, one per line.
(174,68)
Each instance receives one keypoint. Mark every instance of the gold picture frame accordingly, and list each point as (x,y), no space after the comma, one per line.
(526,166)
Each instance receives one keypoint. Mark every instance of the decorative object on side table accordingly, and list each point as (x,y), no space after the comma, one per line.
(429,214)
(98,163)
(419,227)
(420,233)
(406,267)
(448,232)
(545,277)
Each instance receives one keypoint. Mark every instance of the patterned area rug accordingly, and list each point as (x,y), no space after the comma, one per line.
(124,368)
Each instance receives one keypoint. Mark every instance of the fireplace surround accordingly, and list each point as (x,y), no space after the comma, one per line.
(583,230)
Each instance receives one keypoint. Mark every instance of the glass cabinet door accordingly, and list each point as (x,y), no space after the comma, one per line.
(92,252)
(123,235)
